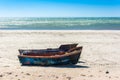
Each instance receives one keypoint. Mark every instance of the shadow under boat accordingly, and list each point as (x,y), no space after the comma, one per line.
(60,66)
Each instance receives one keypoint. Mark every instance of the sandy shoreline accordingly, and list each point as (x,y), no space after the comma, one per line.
(59,30)
(100,55)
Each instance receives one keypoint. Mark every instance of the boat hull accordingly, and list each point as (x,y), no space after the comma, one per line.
(47,61)
(70,59)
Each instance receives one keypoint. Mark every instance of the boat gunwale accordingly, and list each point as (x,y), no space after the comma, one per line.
(56,56)
(54,49)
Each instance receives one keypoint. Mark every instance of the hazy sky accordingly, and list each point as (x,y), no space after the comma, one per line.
(59,8)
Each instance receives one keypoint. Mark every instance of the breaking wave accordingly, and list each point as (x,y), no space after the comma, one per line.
(82,23)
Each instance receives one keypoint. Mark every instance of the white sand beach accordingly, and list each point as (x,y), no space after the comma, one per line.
(100,58)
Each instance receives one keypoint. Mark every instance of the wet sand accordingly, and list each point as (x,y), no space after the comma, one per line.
(100,58)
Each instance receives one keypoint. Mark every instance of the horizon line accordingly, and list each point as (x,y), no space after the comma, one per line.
(58,17)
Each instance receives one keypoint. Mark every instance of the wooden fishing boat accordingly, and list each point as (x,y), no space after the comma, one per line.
(63,47)
(52,58)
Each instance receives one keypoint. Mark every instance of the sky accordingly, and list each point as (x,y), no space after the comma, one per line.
(59,8)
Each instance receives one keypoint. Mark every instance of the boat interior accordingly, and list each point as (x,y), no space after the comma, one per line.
(50,52)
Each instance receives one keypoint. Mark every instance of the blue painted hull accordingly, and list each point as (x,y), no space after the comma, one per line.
(42,61)
(71,57)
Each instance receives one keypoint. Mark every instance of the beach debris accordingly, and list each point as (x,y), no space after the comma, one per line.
(83,75)
(16,75)
(40,76)
(27,73)
(9,73)
(1,75)
(107,72)
(109,76)
(22,72)
(57,77)
(91,75)
(69,78)
(100,71)
(6,66)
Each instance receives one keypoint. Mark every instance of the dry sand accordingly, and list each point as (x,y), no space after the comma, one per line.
(100,59)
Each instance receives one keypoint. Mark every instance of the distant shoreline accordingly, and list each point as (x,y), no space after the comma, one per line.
(66,31)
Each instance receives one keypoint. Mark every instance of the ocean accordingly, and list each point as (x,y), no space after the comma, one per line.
(71,23)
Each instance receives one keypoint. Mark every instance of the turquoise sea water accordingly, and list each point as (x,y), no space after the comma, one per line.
(79,23)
